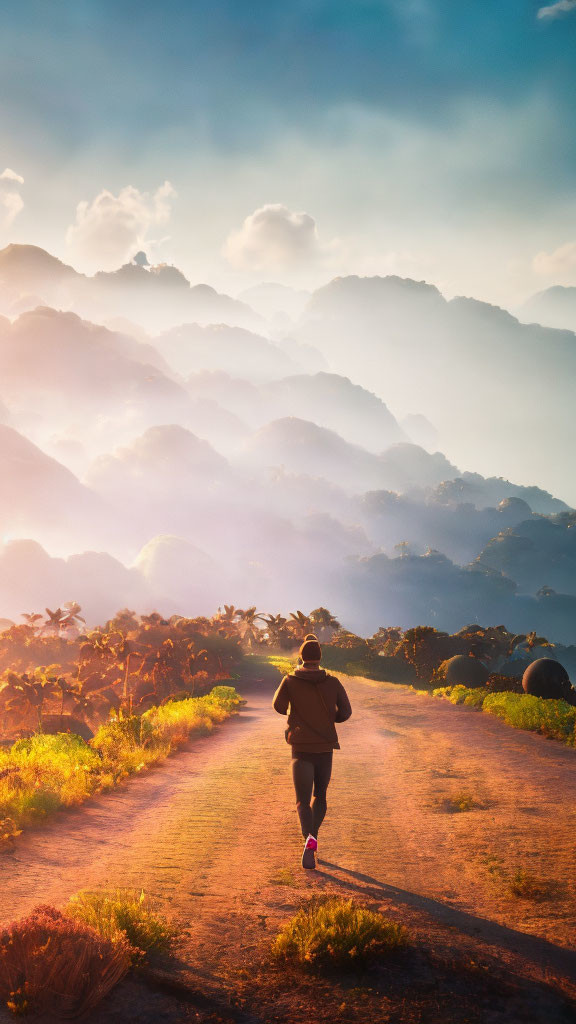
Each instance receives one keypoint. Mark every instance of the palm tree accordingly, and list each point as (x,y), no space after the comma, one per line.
(249,631)
(54,621)
(276,629)
(299,624)
(24,696)
(324,624)
(227,620)
(403,548)
(32,618)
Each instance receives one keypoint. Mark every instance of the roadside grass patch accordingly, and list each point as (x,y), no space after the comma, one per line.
(332,931)
(54,965)
(529,887)
(460,694)
(284,665)
(46,773)
(553,718)
(459,802)
(122,912)
(284,876)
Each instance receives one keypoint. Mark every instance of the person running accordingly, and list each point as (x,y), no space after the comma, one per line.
(316,701)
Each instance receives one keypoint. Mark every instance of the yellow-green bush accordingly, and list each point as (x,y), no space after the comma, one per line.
(337,931)
(461,694)
(45,773)
(122,912)
(554,718)
(284,665)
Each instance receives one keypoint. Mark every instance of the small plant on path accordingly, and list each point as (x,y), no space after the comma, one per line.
(338,932)
(284,876)
(459,802)
(122,912)
(529,887)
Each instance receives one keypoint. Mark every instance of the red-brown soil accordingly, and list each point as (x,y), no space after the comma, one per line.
(208,832)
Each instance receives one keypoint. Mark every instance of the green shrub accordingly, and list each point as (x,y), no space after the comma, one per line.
(122,912)
(554,718)
(339,932)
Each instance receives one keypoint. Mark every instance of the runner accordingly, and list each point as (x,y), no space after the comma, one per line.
(314,701)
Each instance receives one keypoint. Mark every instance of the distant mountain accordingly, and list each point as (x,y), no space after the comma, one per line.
(460,531)
(164,463)
(408,590)
(182,577)
(492,386)
(335,402)
(300,446)
(536,553)
(242,398)
(158,295)
(275,300)
(487,492)
(161,295)
(29,268)
(192,348)
(553,307)
(30,580)
(39,495)
(59,369)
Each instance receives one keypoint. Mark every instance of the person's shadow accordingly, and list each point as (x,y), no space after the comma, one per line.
(530,947)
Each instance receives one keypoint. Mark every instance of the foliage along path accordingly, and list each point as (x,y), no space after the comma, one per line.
(208,831)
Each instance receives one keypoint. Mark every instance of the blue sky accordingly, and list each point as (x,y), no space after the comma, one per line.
(373,116)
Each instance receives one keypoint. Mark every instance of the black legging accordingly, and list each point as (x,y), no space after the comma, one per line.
(311,772)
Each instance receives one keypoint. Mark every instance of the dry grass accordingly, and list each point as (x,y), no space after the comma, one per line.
(284,876)
(52,964)
(525,886)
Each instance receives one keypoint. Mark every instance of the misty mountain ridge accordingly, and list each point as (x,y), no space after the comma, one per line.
(211,463)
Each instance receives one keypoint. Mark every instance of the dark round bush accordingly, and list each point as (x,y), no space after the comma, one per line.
(548,679)
(465,671)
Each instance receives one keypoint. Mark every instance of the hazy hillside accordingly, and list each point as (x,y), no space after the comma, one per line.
(490,384)
(536,553)
(41,498)
(211,463)
(159,295)
(554,307)
(336,403)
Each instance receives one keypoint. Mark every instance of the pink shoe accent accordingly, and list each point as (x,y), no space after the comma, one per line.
(311,843)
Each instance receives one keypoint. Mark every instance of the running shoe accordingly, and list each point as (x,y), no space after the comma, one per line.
(310,848)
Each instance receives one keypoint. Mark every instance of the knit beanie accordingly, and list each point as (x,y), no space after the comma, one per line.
(311,651)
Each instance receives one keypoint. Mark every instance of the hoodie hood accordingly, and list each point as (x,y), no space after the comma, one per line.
(313,675)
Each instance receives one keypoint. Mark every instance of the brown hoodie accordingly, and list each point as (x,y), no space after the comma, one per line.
(316,701)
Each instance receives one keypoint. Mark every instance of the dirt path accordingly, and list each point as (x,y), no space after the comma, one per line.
(208,832)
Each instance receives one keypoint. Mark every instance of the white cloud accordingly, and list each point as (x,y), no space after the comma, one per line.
(558,9)
(109,230)
(559,264)
(11,202)
(276,237)
(9,175)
